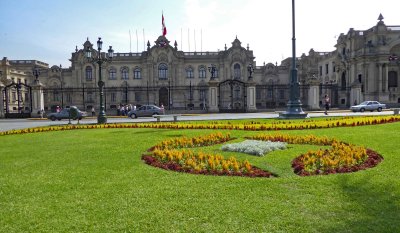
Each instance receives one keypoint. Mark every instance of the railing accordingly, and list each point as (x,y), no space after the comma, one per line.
(200,53)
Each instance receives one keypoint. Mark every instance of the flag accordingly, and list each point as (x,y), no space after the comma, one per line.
(163,29)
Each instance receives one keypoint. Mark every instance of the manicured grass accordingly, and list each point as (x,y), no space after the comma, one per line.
(94,181)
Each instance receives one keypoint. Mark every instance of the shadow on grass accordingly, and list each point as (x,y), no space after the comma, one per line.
(368,206)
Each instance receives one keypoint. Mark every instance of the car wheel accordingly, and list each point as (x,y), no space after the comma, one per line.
(362,109)
(133,116)
(53,118)
(59,119)
(379,109)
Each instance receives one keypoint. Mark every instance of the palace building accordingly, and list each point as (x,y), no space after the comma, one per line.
(364,66)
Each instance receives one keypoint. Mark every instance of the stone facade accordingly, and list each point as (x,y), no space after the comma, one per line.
(364,66)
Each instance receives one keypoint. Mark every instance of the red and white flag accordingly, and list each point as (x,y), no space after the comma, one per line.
(163,29)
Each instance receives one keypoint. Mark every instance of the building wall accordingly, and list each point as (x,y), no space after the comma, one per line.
(361,58)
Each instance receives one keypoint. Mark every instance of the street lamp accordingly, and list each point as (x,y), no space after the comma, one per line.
(100,58)
(250,69)
(294,105)
(212,69)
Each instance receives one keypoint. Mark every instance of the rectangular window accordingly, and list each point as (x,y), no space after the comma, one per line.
(326,68)
(320,71)
(281,94)
(136,74)
(269,93)
(113,97)
(125,75)
(112,74)
(89,97)
(189,73)
(202,94)
(202,73)
(89,76)
(138,97)
(258,93)
(69,98)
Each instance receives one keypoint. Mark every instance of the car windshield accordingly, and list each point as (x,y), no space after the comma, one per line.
(364,103)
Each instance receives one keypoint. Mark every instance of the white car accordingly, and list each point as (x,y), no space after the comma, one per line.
(368,106)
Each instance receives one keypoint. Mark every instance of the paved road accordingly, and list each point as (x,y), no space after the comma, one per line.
(9,124)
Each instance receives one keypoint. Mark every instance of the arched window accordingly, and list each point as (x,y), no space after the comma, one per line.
(112,74)
(137,73)
(88,73)
(392,79)
(162,71)
(202,72)
(124,73)
(189,72)
(236,71)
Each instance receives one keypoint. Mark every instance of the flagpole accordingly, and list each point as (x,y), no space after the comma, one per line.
(130,42)
(144,42)
(189,39)
(201,40)
(194,38)
(137,43)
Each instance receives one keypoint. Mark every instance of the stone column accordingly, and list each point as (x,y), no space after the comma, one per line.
(213,96)
(379,78)
(313,95)
(37,98)
(1,101)
(251,96)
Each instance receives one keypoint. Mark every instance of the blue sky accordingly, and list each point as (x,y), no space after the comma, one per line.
(49,30)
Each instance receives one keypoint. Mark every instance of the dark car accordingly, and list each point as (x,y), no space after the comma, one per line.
(64,114)
(368,106)
(146,110)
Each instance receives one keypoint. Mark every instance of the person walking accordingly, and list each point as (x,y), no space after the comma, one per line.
(327,104)
(93,112)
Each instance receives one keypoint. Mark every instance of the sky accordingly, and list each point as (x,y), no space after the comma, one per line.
(48,31)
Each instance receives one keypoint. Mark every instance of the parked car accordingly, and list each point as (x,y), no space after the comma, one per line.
(64,114)
(146,110)
(368,106)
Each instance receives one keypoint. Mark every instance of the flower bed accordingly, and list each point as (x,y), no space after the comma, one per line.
(341,158)
(167,156)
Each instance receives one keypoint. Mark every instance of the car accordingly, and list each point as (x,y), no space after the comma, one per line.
(64,114)
(146,110)
(368,106)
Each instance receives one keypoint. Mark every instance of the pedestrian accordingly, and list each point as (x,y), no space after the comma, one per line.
(41,113)
(327,104)
(93,112)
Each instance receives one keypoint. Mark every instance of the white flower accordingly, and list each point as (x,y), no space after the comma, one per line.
(254,147)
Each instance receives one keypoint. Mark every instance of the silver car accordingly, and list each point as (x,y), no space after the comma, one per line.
(64,114)
(146,110)
(368,106)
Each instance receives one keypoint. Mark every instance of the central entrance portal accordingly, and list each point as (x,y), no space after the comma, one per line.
(232,96)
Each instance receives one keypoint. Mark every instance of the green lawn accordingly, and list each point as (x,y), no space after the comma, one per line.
(94,181)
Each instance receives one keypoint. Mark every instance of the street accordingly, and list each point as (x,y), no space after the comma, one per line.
(9,124)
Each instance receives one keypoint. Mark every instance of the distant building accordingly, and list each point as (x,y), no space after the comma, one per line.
(364,66)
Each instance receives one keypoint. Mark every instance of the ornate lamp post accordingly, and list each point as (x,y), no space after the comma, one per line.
(294,105)
(100,58)
(250,69)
